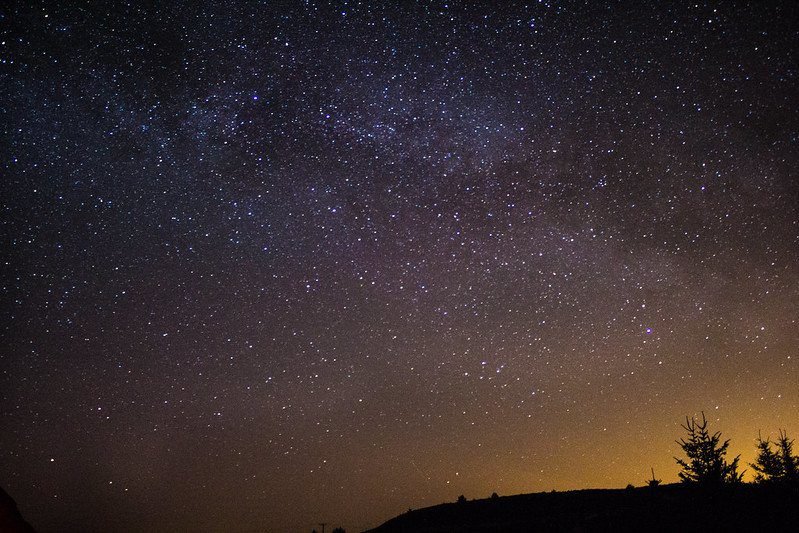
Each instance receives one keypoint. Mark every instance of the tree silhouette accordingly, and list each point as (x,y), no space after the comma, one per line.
(790,462)
(706,464)
(653,482)
(780,466)
(767,465)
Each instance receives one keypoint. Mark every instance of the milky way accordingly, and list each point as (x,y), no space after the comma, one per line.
(268,265)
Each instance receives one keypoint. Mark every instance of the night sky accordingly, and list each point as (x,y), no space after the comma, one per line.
(272,264)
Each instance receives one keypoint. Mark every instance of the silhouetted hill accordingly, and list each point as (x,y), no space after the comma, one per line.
(10,519)
(665,508)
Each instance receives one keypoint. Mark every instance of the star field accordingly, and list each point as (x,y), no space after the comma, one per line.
(267,265)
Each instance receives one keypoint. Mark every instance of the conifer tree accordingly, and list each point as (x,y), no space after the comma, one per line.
(780,466)
(767,465)
(790,462)
(706,464)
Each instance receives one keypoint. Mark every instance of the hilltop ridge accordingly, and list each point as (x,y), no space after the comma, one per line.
(665,508)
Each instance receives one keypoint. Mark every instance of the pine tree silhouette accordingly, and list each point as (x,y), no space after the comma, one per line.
(767,465)
(790,462)
(706,464)
(780,466)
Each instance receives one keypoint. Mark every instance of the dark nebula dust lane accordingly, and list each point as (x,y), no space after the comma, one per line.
(272,264)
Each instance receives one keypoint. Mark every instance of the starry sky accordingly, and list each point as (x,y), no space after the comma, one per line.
(268,264)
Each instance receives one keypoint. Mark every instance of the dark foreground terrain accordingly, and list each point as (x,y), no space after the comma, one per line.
(10,519)
(665,508)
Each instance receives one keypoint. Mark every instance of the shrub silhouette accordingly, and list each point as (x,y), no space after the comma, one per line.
(339,530)
(706,464)
(780,466)
(461,499)
(652,483)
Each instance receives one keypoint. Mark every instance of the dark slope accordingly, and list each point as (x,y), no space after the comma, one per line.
(666,508)
(11,520)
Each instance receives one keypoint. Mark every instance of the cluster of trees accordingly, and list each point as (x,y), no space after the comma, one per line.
(780,465)
(706,464)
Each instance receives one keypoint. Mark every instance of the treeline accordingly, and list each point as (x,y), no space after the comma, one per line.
(706,464)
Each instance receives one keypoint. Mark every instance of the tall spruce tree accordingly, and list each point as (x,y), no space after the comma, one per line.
(780,466)
(767,465)
(790,462)
(706,464)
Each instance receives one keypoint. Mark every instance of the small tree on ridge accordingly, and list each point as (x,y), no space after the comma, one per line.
(706,464)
